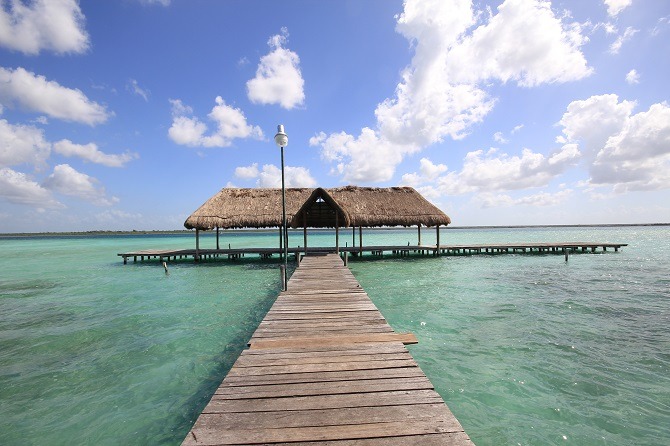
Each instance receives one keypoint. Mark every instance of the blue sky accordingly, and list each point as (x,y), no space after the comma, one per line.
(129,114)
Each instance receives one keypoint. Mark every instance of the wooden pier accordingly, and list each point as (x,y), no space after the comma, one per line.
(398,250)
(324,367)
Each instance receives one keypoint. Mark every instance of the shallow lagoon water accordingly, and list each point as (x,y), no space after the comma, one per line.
(525,349)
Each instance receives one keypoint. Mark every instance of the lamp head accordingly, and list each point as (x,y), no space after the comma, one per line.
(281,138)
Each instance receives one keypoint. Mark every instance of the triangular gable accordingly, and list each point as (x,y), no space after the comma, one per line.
(320,211)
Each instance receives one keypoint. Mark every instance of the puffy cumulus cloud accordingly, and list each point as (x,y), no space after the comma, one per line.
(638,157)
(624,150)
(490,200)
(628,33)
(36,93)
(494,171)
(55,25)
(230,124)
(247,172)
(525,42)
(278,78)
(90,152)
(68,181)
(614,7)
(592,121)
(443,92)
(633,77)
(21,144)
(367,158)
(428,171)
(270,176)
(18,188)
(487,172)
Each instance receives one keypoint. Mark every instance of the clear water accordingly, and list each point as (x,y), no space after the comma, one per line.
(525,349)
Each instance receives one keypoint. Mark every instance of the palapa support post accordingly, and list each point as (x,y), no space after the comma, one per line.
(346,258)
(282,270)
(197,245)
(281,241)
(419,235)
(337,234)
(217,238)
(437,245)
(304,230)
(360,241)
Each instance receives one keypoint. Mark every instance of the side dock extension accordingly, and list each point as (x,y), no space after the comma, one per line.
(324,367)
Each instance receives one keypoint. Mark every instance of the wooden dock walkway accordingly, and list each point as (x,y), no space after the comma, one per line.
(399,250)
(324,367)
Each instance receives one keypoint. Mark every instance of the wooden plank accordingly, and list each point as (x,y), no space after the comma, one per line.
(443,439)
(405,338)
(391,398)
(323,388)
(323,367)
(321,433)
(325,417)
(342,375)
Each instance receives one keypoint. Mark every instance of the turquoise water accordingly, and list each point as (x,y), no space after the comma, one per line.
(525,349)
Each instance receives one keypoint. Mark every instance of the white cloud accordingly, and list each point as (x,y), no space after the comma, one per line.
(499,137)
(90,152)
(55,25)
(428,171)
(190,131)
(278,78)
(270,176)
(293,177)
(638,157)
(490,200)
(134,87)
(524,42)
(624,150)
(443,91)
(633,77)
(22,144)
(18,188)
(615,47)
(68,181)
(159,2)
(614,7)
(247,172)
(36,93)
(493,171)
(367,158)
(592,121)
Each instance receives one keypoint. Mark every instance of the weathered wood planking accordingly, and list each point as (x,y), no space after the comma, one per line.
(324,367)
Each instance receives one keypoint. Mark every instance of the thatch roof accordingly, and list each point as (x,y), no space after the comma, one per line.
(246,208)
(354,206)
(384,206)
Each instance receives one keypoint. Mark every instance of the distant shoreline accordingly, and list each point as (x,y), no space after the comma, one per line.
(186,231)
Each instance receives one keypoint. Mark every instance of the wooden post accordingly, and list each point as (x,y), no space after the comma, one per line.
(217,237)
(419,243)
(353,236)
(437,228)
(360,241)
(281,241)
(346,258)
(337,234)
(197,244)
(304,233)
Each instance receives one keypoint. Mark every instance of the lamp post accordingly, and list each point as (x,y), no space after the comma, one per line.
(281,139)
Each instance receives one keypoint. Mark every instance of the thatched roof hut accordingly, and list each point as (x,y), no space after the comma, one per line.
(317,208)
(234,208)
